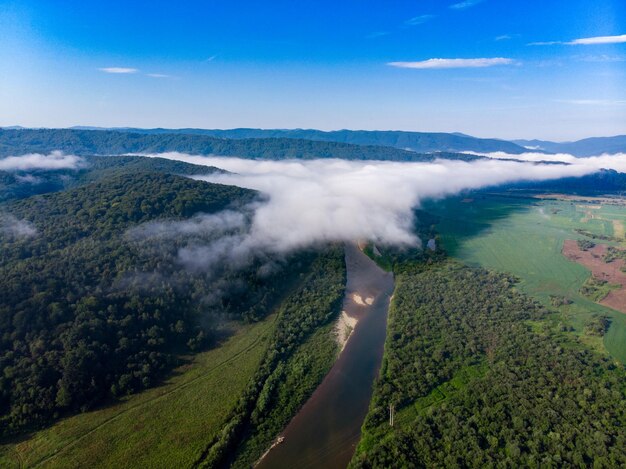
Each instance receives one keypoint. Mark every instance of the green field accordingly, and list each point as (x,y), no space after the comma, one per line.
(167,426)
(525,236)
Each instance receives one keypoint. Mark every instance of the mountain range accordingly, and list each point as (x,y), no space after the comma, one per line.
(332,143)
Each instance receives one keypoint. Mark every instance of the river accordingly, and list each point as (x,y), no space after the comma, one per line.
(326,430)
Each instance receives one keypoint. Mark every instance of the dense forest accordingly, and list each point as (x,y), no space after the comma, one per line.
(88,312)
(605,181)
(18,184)
(425,142)
(476,377)
(298,357)
(94,142)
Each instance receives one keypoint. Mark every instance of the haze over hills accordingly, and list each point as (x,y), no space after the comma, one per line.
(91,142)
(585,147)
(421,142)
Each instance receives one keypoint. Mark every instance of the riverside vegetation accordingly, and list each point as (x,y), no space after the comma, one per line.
(478,377)
(91,315)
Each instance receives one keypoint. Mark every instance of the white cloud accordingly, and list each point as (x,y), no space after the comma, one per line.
(419,20)
(221,222)
(465,4)
(157,75)
(336,200)
(585,41)
(599,40)
(55,160)
(453,63)
(118,70)
(15,228)
(594,102)
(616,161)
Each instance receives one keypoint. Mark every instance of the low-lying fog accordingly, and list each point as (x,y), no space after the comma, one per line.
(327,199)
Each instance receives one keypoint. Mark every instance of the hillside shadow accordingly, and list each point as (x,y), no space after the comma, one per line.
(460,218)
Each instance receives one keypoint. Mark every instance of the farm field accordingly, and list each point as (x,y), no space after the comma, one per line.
(524,236)
(167,426)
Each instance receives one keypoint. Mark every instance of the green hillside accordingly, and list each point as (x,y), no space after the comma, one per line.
(94,142)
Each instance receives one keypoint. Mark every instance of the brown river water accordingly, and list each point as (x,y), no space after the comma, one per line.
(326,431)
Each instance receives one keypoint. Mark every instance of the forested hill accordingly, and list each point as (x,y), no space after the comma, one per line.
(18,184)
(425,142)
(88,312)
(94,142)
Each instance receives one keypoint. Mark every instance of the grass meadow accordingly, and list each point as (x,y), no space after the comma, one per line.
(524,236)
(167,426)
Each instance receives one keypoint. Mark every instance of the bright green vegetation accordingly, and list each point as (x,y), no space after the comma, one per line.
(525,237)
(300,353)
(613,254)
(596,289)
(89,313)
(598,325)
(476,380)
(166,426)
(384,260)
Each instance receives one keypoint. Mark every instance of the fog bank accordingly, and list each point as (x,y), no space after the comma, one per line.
(54,160)
(616,161)
(335,200)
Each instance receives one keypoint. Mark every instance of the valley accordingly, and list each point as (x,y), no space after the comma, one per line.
(288,235)
(186,332)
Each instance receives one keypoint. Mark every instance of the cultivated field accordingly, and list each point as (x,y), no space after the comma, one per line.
(525,237)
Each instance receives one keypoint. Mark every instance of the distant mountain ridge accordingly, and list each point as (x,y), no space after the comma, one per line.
(107,142)
(420,142)
(417,142)
(586,147)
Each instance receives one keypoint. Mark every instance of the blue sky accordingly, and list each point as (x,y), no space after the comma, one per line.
(318,64)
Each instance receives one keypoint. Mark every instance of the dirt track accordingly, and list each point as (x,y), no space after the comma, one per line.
(611,272)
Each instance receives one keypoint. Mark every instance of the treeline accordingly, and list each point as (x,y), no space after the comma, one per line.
(415,141)
(284,380)
(87,313)
(99,142)
(605,181)
(478,379)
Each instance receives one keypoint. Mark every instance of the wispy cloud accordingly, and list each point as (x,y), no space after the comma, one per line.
(377,34)
(453,63)
(593,102)
(599,40)
(421,19)
(465,4)
(118,70)
(585,41)
(157,75)
(601,58)
(55,160)
(506,37)
(14,228)
(211,59)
